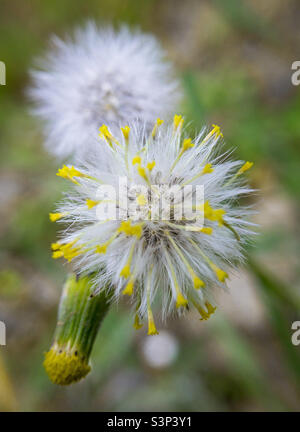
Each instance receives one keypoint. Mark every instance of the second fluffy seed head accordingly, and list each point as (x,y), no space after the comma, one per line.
(100,75)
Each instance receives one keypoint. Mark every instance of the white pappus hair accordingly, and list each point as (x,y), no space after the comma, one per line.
(100,75)
(179,262)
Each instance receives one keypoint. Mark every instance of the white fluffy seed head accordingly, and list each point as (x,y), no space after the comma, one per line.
(100,75)
(177,261)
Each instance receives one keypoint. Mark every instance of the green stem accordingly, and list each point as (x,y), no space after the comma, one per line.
(79,317)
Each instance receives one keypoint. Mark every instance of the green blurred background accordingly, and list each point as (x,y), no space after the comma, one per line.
(234,59)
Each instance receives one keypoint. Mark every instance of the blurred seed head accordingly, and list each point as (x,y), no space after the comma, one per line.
(100,75)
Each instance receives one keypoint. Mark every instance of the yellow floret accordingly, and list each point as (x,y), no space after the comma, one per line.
(178,121)
(245,167)
(128,290)
(207,169)
(136,160)
(125,272)
(91,203)
(198,283)
(125,130)
(55,216)
(180,300)
(150,165)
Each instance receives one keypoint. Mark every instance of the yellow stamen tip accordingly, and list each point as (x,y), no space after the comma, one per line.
(62,171)
(68,251)
(65,368)
(137,230)
(207,169)
(55,246)
(69,172)
(207,230)
(125,225)
(125,130)
(136,160)
(151,328)
(142,172)
(137,324)
(91,203)
(150,165)
(128,290)
(187,144)
(181,301)
(57,254)
(245,167)
(217,130)
(198,283)
(221,274)
(128,229)
(218,215)
(157,124)
(125,272)
(55,216)
(101,249)
(211,309)
(214,215)
(178,121)
(104,132)
(205,314)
